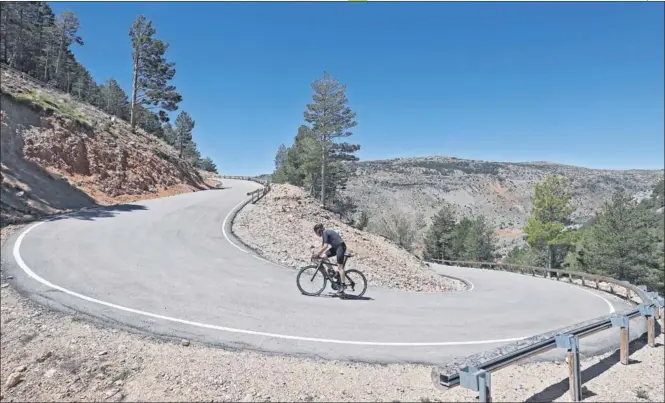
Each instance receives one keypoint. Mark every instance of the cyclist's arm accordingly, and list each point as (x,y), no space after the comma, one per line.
(323,249)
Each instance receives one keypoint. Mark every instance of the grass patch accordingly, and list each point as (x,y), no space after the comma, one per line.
(60,107)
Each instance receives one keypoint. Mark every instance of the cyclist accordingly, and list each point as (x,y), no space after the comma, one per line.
(332,245)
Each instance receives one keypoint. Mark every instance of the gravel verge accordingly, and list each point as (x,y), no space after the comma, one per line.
(280,227)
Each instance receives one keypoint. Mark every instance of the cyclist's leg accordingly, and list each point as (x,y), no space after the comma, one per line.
(340,252)
(330,253)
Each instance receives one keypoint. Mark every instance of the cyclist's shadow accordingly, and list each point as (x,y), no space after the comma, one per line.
(346,297)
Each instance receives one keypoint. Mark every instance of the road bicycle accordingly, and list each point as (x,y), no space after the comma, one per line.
(315,278)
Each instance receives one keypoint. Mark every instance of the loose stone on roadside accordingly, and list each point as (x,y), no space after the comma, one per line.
(44,357)
(13,379)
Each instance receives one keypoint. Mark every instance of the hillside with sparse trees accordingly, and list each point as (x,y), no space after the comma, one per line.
(69,142)
(37,42)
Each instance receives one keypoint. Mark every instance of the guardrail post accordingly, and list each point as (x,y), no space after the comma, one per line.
(571,343)
(648,312)
(478,380)
(623,323)
(660,304)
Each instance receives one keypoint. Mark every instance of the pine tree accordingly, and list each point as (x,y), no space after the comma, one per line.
(184,125)
(170,135)
(151,72)
(116,101)
(191,154)
(148,121)
(439,237)
(623,244)
(472,238)
(208,165)
(481,241)
(551,210)
(67,26)
(301,165)
(280,157)
(330,118)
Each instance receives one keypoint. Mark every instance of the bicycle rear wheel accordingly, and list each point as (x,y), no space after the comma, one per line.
(313,279)
(356,283)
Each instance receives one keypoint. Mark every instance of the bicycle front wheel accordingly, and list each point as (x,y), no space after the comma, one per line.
(311,280)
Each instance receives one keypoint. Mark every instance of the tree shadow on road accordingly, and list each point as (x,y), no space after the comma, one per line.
(553,392)
(100,212)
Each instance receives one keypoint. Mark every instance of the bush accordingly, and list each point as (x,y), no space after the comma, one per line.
(400,229)
(206,164)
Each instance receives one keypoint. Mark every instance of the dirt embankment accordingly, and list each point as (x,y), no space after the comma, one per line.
(59,155)
(280,227)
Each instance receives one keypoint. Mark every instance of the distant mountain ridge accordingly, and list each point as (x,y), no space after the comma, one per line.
(501,191)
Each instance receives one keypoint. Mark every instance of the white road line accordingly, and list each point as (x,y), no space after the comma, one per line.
(224,226)
(609,304)
(231,242)
(29,272)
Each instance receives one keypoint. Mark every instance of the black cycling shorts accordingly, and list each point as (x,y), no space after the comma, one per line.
(338,251)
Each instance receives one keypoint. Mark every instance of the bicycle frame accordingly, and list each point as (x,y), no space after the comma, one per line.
(332,266)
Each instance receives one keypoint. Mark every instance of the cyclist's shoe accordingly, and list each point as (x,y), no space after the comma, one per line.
(340,291)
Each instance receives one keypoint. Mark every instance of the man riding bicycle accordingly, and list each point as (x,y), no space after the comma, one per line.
(332,245)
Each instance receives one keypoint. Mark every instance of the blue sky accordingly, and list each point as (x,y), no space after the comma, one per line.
(575,83)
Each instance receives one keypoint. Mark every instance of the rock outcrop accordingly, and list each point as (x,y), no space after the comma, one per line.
(59,154)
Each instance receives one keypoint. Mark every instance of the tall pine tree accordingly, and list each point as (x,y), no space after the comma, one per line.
(551,210)
(151,72)
(330,118)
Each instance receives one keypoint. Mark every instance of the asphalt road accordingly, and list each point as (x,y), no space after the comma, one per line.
(171,267)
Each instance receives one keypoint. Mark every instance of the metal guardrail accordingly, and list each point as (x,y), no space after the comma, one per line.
(259,193)
(256,194)
(474,372)
(245,178)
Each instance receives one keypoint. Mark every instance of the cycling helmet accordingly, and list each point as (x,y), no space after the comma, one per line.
(318,227)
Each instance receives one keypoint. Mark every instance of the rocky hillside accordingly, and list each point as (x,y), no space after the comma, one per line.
(58,154)
(280,227)
(500,191)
